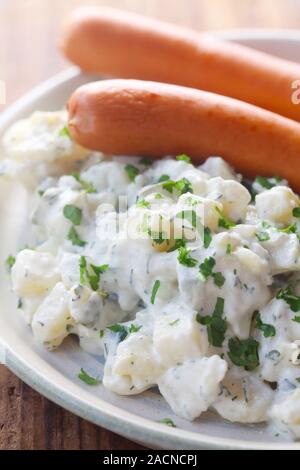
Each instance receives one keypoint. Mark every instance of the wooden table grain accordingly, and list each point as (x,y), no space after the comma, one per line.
(29,55)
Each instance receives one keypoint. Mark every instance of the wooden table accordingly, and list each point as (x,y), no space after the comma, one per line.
(28,55)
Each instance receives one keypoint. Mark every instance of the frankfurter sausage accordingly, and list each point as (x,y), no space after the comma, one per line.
(132,117)
(127,45)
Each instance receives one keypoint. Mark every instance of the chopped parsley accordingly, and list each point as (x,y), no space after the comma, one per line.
(290,229)
(120,329)
(262,236)
(296,212)
(185,258)
(183,158)
(298,379)
(216,325)
(268,183)
(10,261)
(267,329)
(179,243)
(123,331)
(266,224)
(86,378)
(86,185)
(158,196)
(74,238)
(73,213)
(290,298)
(92,275)
(207,237)
(244,353)
(82,269)
(163,178)
(145,162)
(134,328)
(167,422)
(155,288)
(65,132)
(181,186)
(219,279)
(132,172)
(224,221)
(143,204)
(296,319)
(228,249)
(94,279)
(206,270)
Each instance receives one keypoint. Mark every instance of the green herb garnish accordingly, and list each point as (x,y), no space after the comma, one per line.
(244,353)
(74,238)
(290,229)
(181,186)
(206,268)
(216,325)
(92,274)
(268,183)
(82,269)
(132,172)
(145,162)
(219,279)
(73,213)
(134,328)
(224,221)
(262,236)
(185,258)
(120,329)
(267,329)
(290,298)
(124,331)
(65,132)
(168,422)
(155,288)
(228,249)
(10,261)
(143,204)
(86,185)
(86,378)
(296,212)
(183,158)
(163,178)
(207,237)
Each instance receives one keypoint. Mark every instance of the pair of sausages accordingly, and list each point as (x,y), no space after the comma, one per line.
(146,118)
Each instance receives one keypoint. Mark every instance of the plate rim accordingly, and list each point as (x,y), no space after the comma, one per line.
(126,423)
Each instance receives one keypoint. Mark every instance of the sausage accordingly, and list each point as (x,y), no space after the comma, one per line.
(132,117)
(127,45)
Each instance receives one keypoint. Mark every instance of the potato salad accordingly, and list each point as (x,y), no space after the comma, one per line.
(184,277)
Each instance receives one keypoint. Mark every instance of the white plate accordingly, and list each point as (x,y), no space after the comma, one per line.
(55,374)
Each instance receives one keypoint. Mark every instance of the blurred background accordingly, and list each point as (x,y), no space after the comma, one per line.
(29,28)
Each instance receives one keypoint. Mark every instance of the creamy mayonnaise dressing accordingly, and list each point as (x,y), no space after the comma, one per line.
(211,317)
